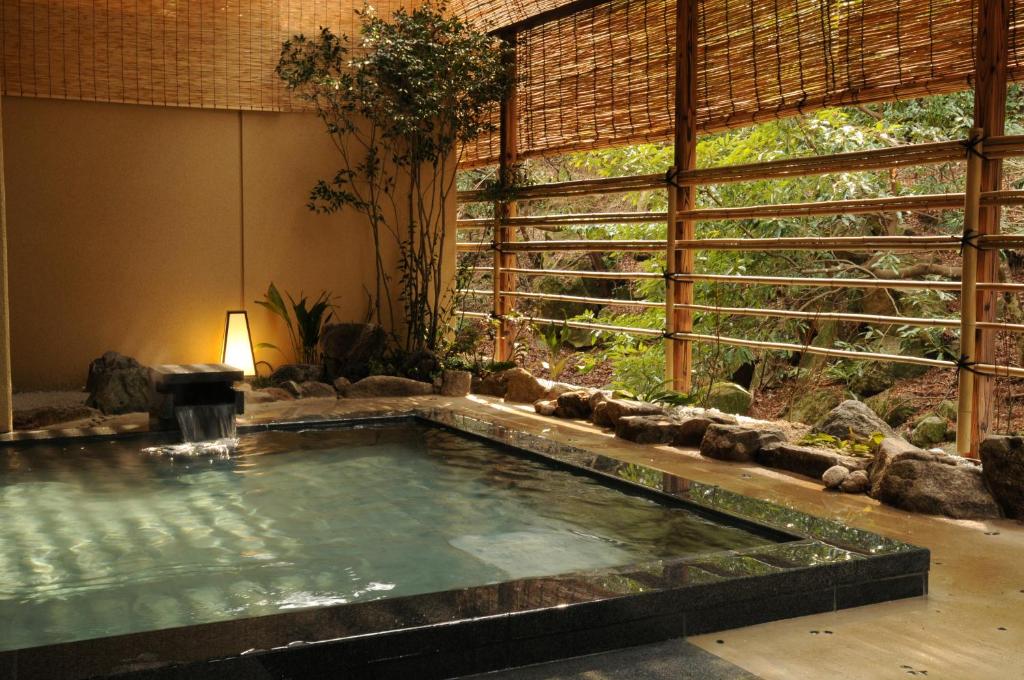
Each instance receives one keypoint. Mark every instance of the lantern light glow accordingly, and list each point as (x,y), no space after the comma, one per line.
(238,343)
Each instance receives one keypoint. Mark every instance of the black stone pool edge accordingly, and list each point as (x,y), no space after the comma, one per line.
(826,566)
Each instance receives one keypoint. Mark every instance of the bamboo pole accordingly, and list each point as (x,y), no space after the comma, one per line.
(968,300)
(585,187)
(586,274)
(849,207)
(684,230)
(824,351)
(991,47)
(671,284)
(1004,146)
(505,210)
(829,316)
(554,297)
(811,282)
(583,246)
(859,243)
(6,389)
(567,220)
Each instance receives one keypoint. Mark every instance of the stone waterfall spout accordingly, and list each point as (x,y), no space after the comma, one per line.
(197,399)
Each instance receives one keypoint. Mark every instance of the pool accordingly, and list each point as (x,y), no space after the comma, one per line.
(110,548)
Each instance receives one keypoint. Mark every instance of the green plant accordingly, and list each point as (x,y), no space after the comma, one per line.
(305,322)
(662,394)
(400,108)
(854,445)
(554,337)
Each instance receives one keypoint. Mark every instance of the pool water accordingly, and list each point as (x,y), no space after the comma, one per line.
(103,539)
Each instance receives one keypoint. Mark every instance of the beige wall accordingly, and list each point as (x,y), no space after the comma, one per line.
(134,228)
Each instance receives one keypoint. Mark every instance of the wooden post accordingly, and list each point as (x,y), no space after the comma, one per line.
(681,259)
(990,49)
(968,297)
(6,416)
(503,210)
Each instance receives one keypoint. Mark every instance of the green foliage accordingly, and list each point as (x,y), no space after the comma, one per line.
(399,106)
(853,446)
(554,337)
(304,320)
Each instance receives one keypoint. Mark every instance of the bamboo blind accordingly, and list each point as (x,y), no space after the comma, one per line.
(602,76)
(195,53)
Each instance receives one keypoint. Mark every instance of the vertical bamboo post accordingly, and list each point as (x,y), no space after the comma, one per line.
(990,50)
(503,210)
(670,288)
(6,416)
(968,298)
(685,196)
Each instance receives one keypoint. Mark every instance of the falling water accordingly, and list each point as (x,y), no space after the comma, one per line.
(205,423)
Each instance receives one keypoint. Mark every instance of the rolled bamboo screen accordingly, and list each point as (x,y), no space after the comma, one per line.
(602,76)
(195,53)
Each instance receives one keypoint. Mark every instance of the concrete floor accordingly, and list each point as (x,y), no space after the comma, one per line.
(970,626)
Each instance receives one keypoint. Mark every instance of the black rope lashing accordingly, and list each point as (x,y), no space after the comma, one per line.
(496,246)
(963,363)
(969,239)
(971,147)
(672,178)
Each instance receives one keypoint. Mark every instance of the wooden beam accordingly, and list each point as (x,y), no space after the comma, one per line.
(990,53)
(681,259)
(6,415)
(505,210)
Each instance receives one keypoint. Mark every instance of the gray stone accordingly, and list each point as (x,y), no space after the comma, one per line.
(608,411)
(662,429)
(736,442)
(293,388)
(546,407)
(813,406)
(522,387)
(350,350)
(1002,459)
(929,431)
(810,461)
(341,385)
(455,383)
(894,410)
(875,378)
(298,373)
(491,384)
(857,482)
(45,416)
(387,386)
(574,404)
(888,451)
(947,409)
(312,389)
(852,417)
(936,484)
(729,398)
(118,384)
(596,397)
(834,476)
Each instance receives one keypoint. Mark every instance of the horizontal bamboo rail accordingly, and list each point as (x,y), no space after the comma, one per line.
(585,187)
(584,325)
(857,161)
(584,246)
(567,220)
(1004,146)
(998,371)
(555,297)
(856,243)
(824,351)
(795,281)
(856,206)
(585,274)
(827,316)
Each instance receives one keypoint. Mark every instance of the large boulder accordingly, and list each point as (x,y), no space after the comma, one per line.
(312,389)
(809,461)
(491,384)
(874,379)
(118,384)
(298,373)
(522,387)
(608,411)
(387,386)
(455,383)
(729,398)
(350,349)
(1002,459)
(929,431)
(736,442)
(888,450)
(662,429)
(852,417)
(893,409)
(937,484)
(574,404)
(813,406)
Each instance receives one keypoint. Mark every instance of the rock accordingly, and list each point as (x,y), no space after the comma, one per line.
(557,389)
(834,476)
(1002,461)
(889,449)
(492,384)
(947,409)
(298,373)
(546,407)
(894,410)
(421,365)
(574,404)
(736,442)
(45,416)
(810,461)
(387,386)
(118,384)
(729,398)
(350,349)
(854,417)
(857,482)
(522,387)
(813,406)
(607,411)
(875,378)
(929,431)
(293,388)
(267,395)
(341,385)
(455,383)
(311,389)
(936,484)
(662,429)
(596,397)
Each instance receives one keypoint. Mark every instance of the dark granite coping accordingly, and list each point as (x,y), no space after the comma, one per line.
(818,565)
(187,374)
